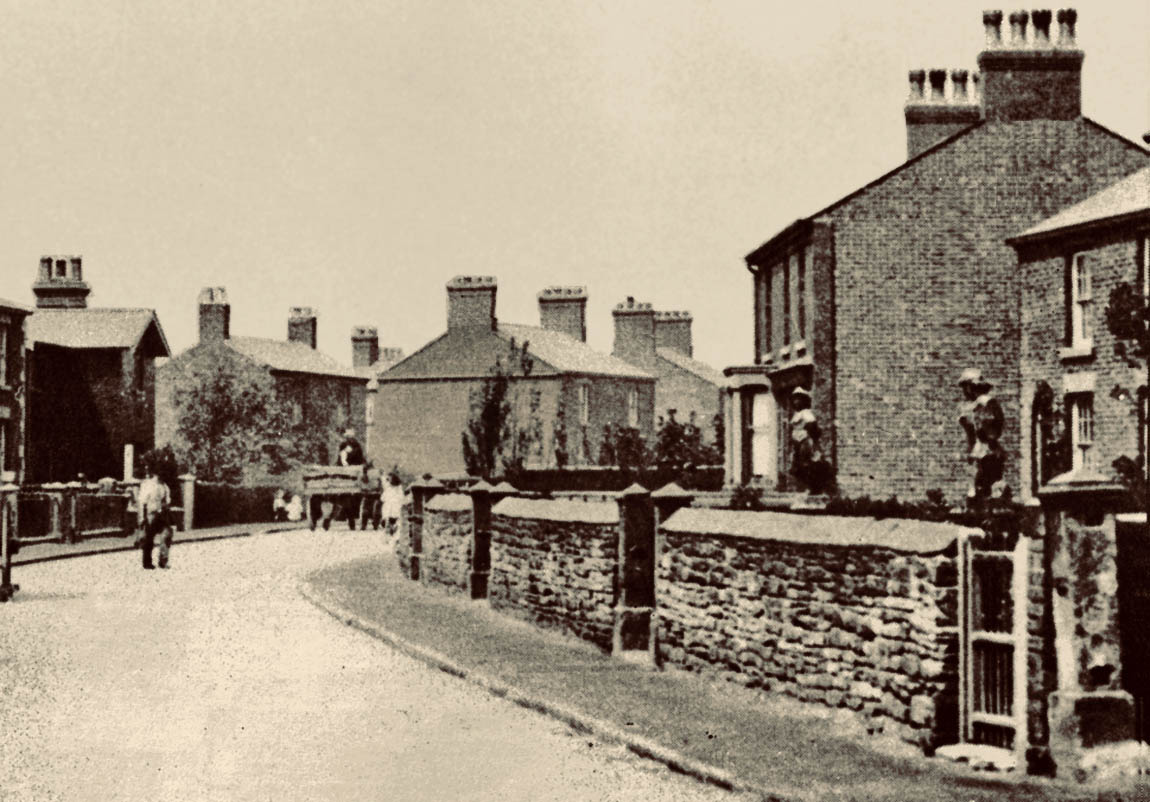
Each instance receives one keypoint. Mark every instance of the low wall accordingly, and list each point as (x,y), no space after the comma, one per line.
(846,612)
(446,559)
(553,563)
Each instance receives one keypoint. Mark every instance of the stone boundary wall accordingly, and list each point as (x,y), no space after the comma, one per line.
(845,612)
(446,555)
(553,563)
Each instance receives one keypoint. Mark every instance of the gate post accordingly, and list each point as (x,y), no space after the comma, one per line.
(634,572)
(9,531)
(70,525)
(1089,707)
(667,500)
(421,492)
(480,540)
(188,493)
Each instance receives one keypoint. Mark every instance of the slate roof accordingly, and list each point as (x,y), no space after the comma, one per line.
(6,304)
(1130,196)
(568,355)
(291,357)
(691,365)
(96,328)
(795,229)
(469,353)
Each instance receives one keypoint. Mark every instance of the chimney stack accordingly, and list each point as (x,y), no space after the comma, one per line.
(929,120)
(564,309)
(471,303)
(215,314)
(1032,79)
(364,346)
(635,334)
(302,326)
(673,330)
(60,283)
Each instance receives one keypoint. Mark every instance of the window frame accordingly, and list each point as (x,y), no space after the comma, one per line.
(4,356)
(1083,420)
(583,394)
(1080,302)
(633,407)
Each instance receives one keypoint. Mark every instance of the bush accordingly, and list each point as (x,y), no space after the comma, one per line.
(746,497)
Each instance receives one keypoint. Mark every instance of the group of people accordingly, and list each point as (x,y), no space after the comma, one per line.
(381,500)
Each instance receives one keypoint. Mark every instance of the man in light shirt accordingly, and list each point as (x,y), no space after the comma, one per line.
(154,501)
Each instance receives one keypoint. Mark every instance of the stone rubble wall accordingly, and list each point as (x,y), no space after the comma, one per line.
(553,563)
(861,624)
(446,557)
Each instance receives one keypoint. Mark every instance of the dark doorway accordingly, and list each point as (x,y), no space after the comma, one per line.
(1134,617)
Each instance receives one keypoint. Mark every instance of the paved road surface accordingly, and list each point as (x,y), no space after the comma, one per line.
(216,681)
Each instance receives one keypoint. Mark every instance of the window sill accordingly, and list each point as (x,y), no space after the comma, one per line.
(1084,350)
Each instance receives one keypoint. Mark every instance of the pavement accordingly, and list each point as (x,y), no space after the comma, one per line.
(46,552)
(723,734)
(215,681)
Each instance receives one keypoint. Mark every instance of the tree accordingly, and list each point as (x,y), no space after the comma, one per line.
(493,442)
(228,418)
(1128,320)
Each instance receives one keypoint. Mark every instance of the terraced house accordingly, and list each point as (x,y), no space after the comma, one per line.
(876,303)
(564,392)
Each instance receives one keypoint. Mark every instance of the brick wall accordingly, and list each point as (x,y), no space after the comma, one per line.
(924,286)
(553,563)
(446,542)
(686,392)
(785,603)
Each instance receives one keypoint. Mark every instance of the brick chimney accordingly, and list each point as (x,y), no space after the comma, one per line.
(60,283)
(931,119)
(564,309)
(635,334)
(471,302)
(1031,76)
(301,326)
(673,330)
(215,314)
(364,346)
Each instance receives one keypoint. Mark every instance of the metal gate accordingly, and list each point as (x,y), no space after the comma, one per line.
(992,642)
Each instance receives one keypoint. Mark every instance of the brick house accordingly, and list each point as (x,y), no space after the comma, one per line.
(876,303)
(661,344)
(13,376)
(91,380)
(1073,382)
(564,392)
(323,396)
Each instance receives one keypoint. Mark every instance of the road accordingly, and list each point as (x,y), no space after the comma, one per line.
(217,681)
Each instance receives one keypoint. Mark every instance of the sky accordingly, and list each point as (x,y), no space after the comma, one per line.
(354,157)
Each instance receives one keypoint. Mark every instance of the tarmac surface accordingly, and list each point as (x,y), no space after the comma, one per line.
(217,680)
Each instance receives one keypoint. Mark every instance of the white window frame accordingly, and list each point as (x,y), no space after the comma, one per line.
(584,404)
(633,407)
(1082,430)
(3,354)
(1081,302)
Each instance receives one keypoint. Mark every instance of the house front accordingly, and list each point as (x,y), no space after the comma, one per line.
(876,304)
(563,394)
(91,380)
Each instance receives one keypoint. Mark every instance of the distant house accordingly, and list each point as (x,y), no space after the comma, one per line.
(91,380)
(565,392)
(322,396)
(13,376)
(1083,406)
(661,344)
(877,303)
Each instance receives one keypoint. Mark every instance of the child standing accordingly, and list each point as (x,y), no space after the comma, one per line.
(392,502)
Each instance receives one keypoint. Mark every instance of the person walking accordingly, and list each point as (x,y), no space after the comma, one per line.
(392,502)
(154,502)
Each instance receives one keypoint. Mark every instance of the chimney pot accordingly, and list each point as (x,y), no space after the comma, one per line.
(1041,20)
(938,86)
(917,82)
(1018,20)
(1067,17)
(958,80)
(993,22)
